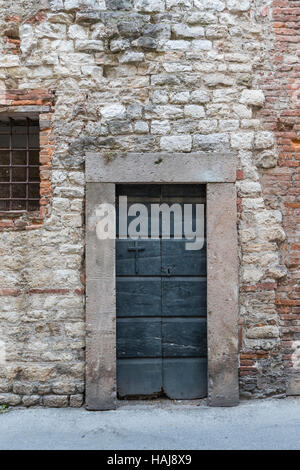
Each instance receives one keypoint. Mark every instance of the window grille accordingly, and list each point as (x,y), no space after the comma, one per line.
(19,164)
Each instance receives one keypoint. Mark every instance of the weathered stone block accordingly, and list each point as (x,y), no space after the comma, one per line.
(229,125)
(253,97)
(211,142)
(56,4)
(134,111)
(131,57)
(63,388)
(55,401)
(88,16)
(113,111)
(160,127)
(89,45)
(294,383)
(31,400)
(145,43)
(176,45)
(158,31)
(149,6)
(242,140)
(76,31)
(202,44)
(76,401)
(208,126)
(242,111)
(264,140)
(130,29)
(10,399)
(194,111)
(176,143)
(27,38)
(181,97)
(8,61)
(218,79)
(52,31)
(267,159)
(73,4)
(119,4)
(200,97)
(61,17)
(21,388)
(203,18)
(181,30)
(216,32)
(186,4)
(216,5)
(118,45)
(261,332)
(238,5)
(141,127)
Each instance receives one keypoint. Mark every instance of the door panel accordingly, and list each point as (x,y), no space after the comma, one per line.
(161,305)
(146,262)
(184,337)
(183,297)
(138,297)
(185,379)
(139,377)
(177,261)
(139,337)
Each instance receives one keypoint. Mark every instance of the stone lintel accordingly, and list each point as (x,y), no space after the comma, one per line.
(199,167)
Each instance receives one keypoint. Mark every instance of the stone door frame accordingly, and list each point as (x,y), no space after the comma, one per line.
(218,172)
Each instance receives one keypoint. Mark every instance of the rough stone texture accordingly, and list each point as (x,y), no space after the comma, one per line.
(120,76)
(161,168)
(222,295)
(100,305)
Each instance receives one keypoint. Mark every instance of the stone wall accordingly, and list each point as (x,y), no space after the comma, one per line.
(141,75)
(281,185)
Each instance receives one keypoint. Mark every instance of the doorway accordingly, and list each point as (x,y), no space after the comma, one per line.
(161,284)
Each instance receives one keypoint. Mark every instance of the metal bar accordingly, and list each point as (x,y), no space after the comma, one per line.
(19,199)
(10,159)
(27,160)
(20,166)
(21,148)
(25,127)
(19,182)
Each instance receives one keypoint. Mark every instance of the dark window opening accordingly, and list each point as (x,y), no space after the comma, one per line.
(19,164)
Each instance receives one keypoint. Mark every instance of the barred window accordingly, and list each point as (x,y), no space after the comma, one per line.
(19,164)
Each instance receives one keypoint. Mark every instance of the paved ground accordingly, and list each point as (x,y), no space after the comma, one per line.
(262,424)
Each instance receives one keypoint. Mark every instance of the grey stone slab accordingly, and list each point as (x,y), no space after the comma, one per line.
(222,295)
(193,378)
(294,384)
(139,338)
(200,167)
(140,377)
(100,306)
(20,111)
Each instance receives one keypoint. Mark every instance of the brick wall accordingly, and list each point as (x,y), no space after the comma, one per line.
(282,184)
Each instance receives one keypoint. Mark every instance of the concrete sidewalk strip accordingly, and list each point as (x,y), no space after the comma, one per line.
(158,425)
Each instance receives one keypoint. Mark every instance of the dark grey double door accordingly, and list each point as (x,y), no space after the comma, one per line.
(161,306)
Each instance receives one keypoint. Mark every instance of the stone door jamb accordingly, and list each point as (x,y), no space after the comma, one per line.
(218,172)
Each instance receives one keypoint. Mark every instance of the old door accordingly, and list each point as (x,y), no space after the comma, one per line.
(161,304)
